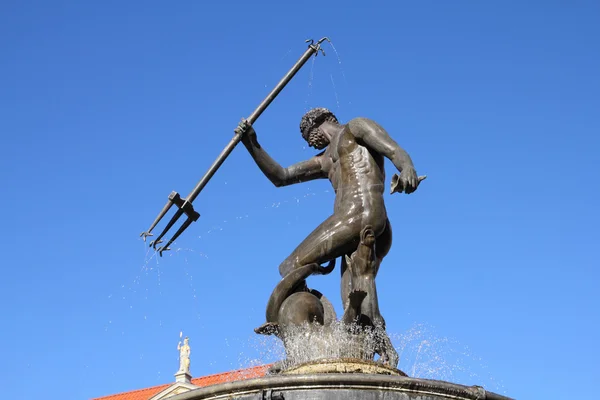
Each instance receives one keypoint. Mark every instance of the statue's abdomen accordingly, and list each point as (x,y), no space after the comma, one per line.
(360,181)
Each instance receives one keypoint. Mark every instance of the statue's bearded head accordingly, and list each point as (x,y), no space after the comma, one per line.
(310,127)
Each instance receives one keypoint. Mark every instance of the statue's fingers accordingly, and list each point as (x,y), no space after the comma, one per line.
(422,178)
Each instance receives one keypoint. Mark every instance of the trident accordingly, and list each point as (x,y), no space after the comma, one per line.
(184,205)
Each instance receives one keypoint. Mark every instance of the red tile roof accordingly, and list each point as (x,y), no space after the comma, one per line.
(238,375)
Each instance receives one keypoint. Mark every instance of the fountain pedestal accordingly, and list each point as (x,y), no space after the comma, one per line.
(343,366)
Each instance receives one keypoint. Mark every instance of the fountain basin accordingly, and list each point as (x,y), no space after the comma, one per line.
(338,386)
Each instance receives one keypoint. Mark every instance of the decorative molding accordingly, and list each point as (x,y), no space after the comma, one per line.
(176,388)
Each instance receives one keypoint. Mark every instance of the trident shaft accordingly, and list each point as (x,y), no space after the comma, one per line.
(184,205)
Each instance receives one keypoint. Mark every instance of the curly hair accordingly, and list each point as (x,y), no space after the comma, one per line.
(315,117)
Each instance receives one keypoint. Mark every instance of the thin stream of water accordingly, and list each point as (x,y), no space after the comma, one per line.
(310,85)
(337,99)
(286,54)
(341,70)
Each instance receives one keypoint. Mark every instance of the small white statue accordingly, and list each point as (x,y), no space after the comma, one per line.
(184,355)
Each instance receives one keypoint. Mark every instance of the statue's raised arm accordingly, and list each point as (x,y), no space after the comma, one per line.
(300,172)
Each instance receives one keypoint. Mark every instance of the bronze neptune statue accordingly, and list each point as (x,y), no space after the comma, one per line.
(358,231)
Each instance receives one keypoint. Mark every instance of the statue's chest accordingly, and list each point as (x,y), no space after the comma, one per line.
(337,147)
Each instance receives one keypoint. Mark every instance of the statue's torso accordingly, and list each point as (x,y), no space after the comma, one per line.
(356,173)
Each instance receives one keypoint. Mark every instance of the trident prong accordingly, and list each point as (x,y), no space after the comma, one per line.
(144,235)
(161,249)
(317,46)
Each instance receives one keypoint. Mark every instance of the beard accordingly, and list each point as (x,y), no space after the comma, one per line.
(317,139)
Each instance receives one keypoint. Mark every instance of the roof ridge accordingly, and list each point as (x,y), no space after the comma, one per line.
(200,378)
(133,391)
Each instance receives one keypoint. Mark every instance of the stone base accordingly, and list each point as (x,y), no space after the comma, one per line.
(182,376)
(343,366)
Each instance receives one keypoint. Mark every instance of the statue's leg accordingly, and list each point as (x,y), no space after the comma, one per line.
(359,294)
(387,350)
(382,247)
(335,237)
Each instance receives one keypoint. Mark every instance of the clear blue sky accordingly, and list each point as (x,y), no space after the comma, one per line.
(106,107)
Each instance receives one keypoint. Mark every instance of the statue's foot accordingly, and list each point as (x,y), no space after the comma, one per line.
(268,328)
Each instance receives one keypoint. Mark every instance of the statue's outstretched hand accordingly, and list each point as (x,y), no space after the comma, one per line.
(406,182)
(246,130)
